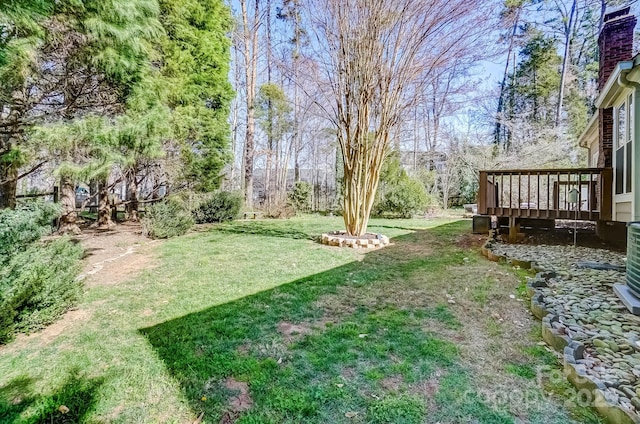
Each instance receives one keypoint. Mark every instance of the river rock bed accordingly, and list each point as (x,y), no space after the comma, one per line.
(585,314)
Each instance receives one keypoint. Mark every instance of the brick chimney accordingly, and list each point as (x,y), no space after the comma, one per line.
(615,44)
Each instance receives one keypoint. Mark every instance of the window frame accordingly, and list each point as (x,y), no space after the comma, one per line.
(623,189)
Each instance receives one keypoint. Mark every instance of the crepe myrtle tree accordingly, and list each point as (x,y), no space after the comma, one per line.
(376,58)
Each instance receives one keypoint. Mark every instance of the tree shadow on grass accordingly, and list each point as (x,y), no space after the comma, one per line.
(236,362)
(71,403)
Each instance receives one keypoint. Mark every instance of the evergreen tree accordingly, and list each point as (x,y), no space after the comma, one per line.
(533,86)
(82,58)
(195,71)
(21,34)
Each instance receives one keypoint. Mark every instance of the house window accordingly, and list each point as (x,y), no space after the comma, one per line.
(622,142)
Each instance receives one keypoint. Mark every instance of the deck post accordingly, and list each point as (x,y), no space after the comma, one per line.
(514,229)
(606,193)
(482,193)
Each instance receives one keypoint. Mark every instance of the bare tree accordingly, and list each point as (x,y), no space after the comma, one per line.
(249,50)
(511,18)
(376,56)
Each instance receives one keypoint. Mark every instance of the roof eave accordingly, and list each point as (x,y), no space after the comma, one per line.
(611,87)
(582,140)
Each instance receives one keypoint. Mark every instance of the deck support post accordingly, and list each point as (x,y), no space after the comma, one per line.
(514,229)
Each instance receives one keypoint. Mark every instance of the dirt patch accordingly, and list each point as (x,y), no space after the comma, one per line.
(244,349)
(392,383)
(470,241)
(562,234)
(228,417)
(112,257)
(348,373)
(242,400)
(427,390)
(293,332)
(68,321)
(337,305)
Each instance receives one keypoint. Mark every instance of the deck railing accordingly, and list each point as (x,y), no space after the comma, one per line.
(583,194)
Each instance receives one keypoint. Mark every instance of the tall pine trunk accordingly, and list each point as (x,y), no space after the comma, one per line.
(498,130)
(8,185)
(132,196)
(104,208)
(69,219)
(565,60)
(250,52)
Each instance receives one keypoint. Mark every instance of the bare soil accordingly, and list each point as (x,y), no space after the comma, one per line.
(115,256)
(239,402)
(563,234)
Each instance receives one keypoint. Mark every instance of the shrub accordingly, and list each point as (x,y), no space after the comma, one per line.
(398,194)
(23,226)
(37,280)
(300,196)
(221,207)
(166,219)
(38,285)
(280,209)
(403,198)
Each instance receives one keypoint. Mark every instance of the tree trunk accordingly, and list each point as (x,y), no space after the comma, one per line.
(361,177)
(132,196)
(104,208)
(498,130)
(248,161)
(267,176)
(8,186)
(296,164)
(69,218)
(250,52)
(565,59)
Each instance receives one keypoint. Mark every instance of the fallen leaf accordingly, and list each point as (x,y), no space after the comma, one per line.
(350,414)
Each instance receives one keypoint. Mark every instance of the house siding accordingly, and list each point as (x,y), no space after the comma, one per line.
(634,79)
(623,211)
(594,153)
(636,155)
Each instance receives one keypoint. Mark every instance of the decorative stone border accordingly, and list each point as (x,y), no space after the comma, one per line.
(368,241)
(571,350)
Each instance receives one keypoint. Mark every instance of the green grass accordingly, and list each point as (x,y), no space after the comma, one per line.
(522,370)
(481,291)
(373,330)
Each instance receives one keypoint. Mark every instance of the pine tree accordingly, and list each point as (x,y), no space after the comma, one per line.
(21,34)
(196,65)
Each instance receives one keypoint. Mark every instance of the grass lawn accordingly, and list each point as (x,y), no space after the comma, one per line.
(254,322)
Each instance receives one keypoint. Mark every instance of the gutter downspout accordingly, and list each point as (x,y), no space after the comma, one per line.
(635,116)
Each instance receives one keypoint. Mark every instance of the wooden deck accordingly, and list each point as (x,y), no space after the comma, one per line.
(583,194)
